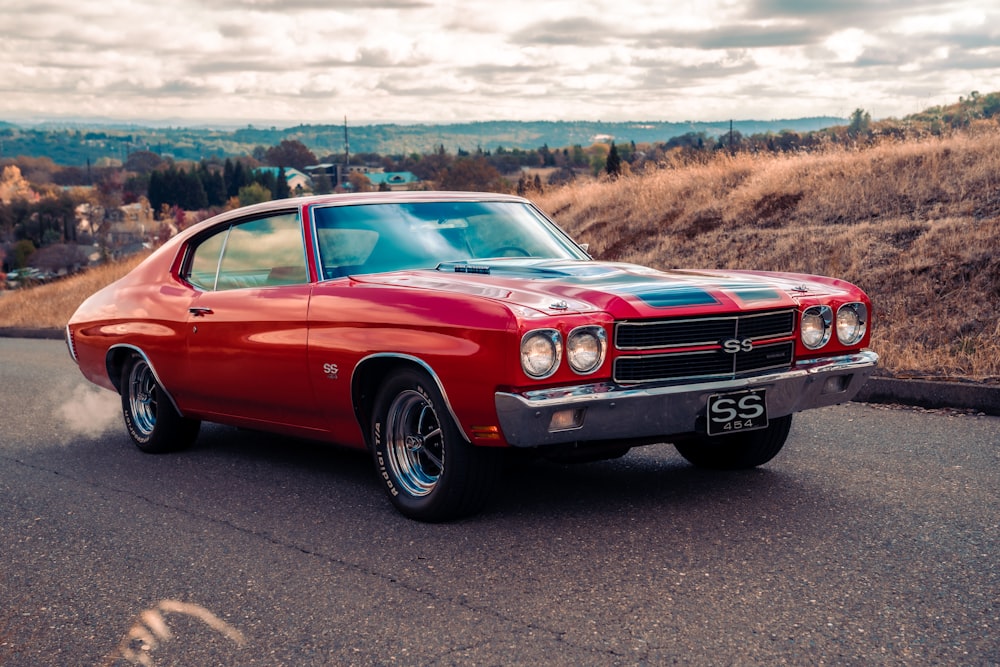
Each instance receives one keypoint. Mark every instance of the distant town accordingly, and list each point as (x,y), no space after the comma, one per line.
(75,194)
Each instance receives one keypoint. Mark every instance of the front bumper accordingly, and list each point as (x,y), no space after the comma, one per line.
(608,411)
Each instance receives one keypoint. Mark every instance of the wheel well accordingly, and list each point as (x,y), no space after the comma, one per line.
(371,373)
(368,377)
(115,363)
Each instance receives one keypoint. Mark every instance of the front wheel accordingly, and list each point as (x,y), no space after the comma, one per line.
(151,420)
(740,450)
(427,467)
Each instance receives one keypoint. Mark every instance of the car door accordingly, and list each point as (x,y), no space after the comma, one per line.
(247,325)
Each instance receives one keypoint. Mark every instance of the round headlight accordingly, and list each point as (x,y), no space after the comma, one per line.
(541,352)
(585,349)
(815,327)
(852,320)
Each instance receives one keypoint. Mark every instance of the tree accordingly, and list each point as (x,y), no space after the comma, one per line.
(432,167)
(213,183)
(236,175)
(23,250)
(255,193)
(359,182)
(291,153)
(281,189)
(14,186)
(471,174)
(322,184)
(59,257)
(860,125)
(614,162)
(142,162)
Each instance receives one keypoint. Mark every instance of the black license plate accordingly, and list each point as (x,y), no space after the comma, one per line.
(732,413)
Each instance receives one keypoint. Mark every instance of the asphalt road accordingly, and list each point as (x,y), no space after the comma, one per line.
(871,539)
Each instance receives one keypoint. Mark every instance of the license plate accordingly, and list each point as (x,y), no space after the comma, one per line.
(732,413)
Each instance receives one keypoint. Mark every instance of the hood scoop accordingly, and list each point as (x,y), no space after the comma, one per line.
(534,268)
(481,269)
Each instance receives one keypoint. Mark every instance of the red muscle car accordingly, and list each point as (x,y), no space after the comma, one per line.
(438,330)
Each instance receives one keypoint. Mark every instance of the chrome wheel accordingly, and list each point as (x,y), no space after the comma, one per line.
(151,419)
(428,468)
(142,398)
(414,443)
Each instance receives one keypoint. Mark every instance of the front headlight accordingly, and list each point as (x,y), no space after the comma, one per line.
(541,351)
(815,326)
(852,320)
(585,349)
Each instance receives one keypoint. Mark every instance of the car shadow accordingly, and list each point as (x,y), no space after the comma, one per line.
(648,481)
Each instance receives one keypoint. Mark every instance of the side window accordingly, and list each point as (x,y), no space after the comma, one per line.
(205,261)
(258,253)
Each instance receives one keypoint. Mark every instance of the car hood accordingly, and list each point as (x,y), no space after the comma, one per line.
(623,290)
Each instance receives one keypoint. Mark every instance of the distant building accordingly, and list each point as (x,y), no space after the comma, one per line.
(394,180)
(338,174)
(298,182)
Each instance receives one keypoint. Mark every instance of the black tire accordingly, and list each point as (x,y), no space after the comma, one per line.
(738,451)
(427,467)
(150,418)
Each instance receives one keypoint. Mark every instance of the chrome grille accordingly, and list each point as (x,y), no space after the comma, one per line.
(703,331)
(762,329)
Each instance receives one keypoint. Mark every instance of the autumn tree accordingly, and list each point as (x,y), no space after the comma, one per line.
(14,186)
(142,162)
(471,174)
(359,182)
(289,153)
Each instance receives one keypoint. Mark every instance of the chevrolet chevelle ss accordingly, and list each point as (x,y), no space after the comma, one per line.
(443,330)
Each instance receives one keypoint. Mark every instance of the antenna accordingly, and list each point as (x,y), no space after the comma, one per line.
(347,145)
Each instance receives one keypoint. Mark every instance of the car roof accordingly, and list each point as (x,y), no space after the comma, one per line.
(377,198)
(340,199)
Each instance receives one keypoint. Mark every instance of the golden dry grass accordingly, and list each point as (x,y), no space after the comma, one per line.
(916,224)
(50,306)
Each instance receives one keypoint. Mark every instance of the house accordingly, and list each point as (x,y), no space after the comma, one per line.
(394,180)
(298,182)
(339,173)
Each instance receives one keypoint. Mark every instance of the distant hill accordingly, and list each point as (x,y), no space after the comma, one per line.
(77,143)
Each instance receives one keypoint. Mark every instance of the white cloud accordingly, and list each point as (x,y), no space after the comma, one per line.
(439,60)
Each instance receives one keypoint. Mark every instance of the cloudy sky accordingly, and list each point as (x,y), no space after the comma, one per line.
(282,62)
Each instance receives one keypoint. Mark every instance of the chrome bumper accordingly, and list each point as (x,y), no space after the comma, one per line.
(608,411)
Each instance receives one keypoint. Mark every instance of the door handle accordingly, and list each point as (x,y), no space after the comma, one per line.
(199,311)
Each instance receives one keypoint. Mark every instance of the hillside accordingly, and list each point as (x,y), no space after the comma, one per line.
(916,224)
(77,144)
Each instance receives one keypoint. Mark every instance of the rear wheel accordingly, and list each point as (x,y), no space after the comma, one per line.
(427,467)
(740,450)
(151,420)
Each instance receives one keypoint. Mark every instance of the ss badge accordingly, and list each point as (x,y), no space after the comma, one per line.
(330,371)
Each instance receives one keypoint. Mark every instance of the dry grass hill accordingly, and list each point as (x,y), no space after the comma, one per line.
(915,223)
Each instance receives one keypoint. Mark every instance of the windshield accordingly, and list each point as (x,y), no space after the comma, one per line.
(372,238)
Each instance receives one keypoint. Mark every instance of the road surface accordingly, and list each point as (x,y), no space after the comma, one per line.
(871,539)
